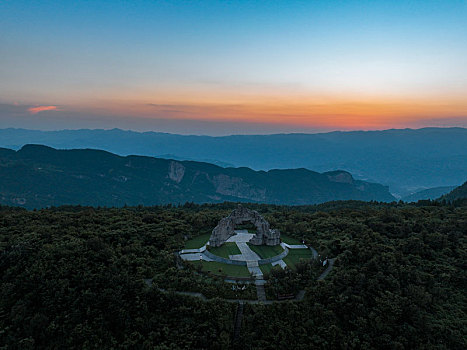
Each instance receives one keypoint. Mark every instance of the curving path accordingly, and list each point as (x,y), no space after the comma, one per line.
(329,268)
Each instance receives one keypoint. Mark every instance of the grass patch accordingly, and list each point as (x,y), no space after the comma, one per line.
(265,251)
(229,248)
(290,240)
(198,241)
(220,269)
(266,268)
(295,255)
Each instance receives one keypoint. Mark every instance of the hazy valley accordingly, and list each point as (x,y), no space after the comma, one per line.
(405,160)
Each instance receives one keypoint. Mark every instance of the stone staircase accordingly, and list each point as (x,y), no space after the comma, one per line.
(252,263)
(253,267)
(237,324)
(260,292)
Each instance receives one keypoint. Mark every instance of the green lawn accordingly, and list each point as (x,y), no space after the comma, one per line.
(220,269)
(295,255)
(229,248)
(266,268)
(198,241)
(265,251)
(290,240)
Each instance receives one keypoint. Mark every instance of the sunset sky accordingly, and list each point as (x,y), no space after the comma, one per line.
(218,67)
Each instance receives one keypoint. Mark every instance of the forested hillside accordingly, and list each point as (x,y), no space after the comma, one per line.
(74,277)
(459,193)
(429,193)
(402,159)
(38,176)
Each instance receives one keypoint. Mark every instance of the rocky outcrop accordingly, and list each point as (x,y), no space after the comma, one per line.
(176,171)
(340,176)
(226,228)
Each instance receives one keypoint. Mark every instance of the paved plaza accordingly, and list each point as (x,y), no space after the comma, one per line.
(247,256)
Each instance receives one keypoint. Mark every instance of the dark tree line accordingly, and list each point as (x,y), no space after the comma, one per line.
(73,277)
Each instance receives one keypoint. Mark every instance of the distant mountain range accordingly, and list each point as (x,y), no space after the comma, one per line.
(406,160)
(429,193)
(39,176)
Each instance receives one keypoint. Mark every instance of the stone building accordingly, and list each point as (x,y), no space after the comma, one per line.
(226,228)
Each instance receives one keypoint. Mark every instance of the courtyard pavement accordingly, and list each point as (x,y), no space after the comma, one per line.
(241,238)
(294,246)
(246,254)
(279,262)
(196,250)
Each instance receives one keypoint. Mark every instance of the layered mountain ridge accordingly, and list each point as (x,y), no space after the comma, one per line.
(39,176)
(407,160)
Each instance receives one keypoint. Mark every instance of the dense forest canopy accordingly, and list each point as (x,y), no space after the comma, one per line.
(74,277)
(457,194)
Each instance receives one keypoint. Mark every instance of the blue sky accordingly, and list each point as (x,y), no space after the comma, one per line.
(286,65)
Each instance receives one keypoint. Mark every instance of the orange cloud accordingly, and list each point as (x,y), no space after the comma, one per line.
(35,110)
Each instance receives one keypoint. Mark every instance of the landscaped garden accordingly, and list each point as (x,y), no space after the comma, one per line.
(225,250)
(239,271)
(216,268)
(295,255)
(198,241)
(265,251)
(266,268)
(289,240)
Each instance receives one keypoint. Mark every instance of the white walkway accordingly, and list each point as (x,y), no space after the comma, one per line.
(196,250)
(241,236)
(246,253)
(194,257)
(294,246)
(279,262)
(240,239)
(254,269)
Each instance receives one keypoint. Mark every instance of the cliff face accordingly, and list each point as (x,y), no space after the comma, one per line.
(38,176)
(340,176)
(176,171)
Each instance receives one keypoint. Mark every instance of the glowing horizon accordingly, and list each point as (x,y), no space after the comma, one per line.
(285,65)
